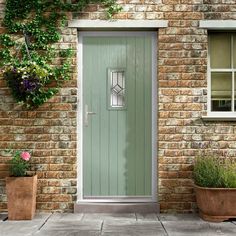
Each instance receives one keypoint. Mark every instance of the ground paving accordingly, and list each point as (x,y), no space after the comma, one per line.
(69,224)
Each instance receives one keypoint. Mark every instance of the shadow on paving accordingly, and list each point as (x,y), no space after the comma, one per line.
(3,216)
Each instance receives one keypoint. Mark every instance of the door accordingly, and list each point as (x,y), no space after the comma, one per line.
(117,116)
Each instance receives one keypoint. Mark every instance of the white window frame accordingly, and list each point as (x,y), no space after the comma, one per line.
(232,70)
(222,25)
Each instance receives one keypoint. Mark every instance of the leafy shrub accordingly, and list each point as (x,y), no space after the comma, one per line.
(229,176)
(211,171)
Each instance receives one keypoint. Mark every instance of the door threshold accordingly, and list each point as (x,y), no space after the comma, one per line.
(95,207)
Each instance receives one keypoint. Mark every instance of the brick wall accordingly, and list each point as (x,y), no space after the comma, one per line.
(183,68)
(51,130)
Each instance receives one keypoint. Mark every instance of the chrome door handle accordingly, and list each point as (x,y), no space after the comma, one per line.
(87,113)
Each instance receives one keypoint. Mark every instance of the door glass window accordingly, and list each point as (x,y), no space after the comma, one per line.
(116,88)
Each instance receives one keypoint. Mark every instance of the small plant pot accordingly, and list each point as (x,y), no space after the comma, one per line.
(216,204)
(21,197)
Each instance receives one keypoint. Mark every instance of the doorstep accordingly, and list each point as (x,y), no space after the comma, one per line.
(94,207)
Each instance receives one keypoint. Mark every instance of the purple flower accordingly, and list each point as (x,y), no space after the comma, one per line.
(31,84)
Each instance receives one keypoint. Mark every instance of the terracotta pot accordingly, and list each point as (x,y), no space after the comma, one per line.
(216,204)
(21,197)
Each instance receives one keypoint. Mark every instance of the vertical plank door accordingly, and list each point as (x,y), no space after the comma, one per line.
(117,119)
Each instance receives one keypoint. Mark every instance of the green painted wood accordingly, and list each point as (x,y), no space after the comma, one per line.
(117,157)
(104,135)
(121,127)
(113,149)
(131,117)
(95,122)
(87,138)
(140,116)
(148,115)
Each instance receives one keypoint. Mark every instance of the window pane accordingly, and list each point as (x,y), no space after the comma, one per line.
(117,88)
(220,45)
(221,91)
(234,91)
(234,52)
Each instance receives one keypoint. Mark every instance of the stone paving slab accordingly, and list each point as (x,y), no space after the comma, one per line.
(47,224)
(42,216)
(107,216)
(65,217)
(224,228)
(179,217)
(146,217)
(24,227)
(135,233)
(69,228)
(67,233)
(73,225)
(130,228)
(19,228)
(186,228)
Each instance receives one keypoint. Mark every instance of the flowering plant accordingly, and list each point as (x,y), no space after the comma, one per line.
(28,83)
(19,164)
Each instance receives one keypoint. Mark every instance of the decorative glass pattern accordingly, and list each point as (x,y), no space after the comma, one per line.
(117,88)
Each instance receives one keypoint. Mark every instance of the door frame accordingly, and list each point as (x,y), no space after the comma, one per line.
(80,113)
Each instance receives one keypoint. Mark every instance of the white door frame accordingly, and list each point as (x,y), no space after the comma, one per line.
(80,198)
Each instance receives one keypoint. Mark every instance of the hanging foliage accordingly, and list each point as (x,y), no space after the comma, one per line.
(28,49)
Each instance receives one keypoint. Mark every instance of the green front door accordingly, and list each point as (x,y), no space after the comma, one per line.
(117,116)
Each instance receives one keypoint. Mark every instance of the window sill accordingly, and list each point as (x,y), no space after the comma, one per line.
(218,118)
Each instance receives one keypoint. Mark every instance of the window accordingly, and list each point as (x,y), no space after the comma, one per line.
(116,89)
(222,73)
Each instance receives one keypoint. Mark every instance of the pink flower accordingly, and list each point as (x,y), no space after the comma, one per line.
(25,156)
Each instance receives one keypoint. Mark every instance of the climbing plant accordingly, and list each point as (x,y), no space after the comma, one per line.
(28,49)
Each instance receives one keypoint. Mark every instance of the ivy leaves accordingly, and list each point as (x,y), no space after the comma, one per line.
(28,47)
(40,20)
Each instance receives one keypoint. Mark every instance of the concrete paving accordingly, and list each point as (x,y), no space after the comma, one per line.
(69,224)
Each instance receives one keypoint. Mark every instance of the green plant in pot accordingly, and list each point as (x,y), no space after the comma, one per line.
(21,187)
(28,82)
(215,187)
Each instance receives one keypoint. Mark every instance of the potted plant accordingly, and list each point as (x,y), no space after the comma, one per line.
(29,83)
(21,188)
(215,187)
